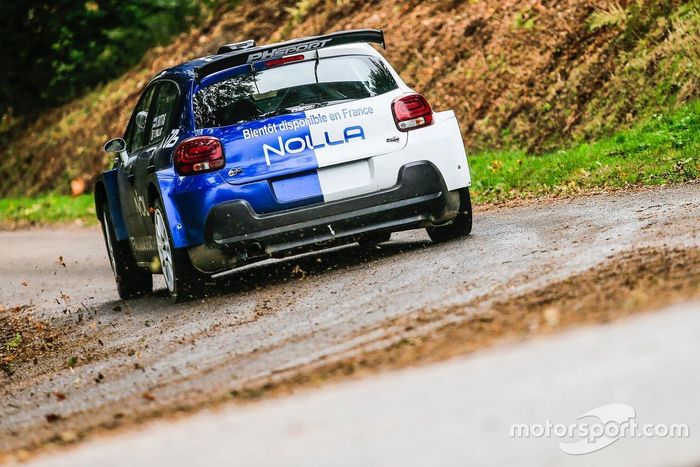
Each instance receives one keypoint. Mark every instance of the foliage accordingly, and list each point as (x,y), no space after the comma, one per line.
(298,12)
(612,15)
(659,57)
(664,149)
(14,342)
(533,77)
(54,50)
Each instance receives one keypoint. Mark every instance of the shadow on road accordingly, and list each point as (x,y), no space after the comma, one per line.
(276,271)
(262,275)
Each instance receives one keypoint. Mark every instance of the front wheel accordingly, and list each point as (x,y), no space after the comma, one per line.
(460,226)
(132,281)
(181,278)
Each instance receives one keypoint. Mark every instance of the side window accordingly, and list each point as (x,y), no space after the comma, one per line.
(135,135)
(164,111)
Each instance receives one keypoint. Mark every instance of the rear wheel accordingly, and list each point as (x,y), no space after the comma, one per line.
(181,278)
(460,226)
(132,281)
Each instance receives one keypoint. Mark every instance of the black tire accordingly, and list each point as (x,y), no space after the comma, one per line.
(184,281)
(374,238)
(132,281)
(460,226)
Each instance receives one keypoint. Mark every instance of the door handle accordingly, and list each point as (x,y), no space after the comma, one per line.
(150,169)
(130,178)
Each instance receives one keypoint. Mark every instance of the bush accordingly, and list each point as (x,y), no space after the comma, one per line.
(54,50)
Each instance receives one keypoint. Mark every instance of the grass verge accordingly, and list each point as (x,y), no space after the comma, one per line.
(46,209)
(664,149)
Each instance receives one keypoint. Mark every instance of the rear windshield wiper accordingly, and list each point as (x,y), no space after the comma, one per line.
(297,108)
(316,105)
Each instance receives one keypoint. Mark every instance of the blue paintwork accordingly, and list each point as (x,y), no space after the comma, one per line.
(249,155)
(286,183)
(187,201)
(298,188)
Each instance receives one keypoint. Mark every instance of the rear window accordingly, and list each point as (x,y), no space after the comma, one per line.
(294,87)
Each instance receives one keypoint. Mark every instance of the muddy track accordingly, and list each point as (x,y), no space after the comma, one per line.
(88,362)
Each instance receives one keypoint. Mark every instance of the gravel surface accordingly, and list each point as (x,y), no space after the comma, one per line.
(454,413)
(89,361)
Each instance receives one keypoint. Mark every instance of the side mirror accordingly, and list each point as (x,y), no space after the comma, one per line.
(117,146)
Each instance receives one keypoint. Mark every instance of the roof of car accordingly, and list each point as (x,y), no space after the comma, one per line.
(202,66)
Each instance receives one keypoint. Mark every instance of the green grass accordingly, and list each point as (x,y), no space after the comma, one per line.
(46,209)
(665,149)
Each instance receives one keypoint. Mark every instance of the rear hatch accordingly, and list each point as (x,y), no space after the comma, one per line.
(295,116)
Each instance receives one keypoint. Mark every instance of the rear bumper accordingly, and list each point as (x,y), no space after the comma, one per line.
(418,199)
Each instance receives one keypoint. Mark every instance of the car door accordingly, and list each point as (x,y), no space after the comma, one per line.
(155,155)
(135,137)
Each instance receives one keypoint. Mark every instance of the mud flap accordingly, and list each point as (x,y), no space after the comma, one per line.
(115,207)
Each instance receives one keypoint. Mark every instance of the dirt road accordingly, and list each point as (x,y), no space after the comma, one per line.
(453,413)
(88,361)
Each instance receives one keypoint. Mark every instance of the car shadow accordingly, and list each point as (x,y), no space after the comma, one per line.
(277,271)
(259,276)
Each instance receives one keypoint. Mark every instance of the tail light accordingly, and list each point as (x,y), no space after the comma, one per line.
(283,61)
(411,112)
(199,155)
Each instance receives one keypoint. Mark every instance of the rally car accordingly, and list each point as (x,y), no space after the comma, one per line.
(267,151)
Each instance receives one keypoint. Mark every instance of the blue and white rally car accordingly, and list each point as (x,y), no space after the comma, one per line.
(267,151)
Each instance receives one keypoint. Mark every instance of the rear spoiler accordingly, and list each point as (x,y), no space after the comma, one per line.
(240,56)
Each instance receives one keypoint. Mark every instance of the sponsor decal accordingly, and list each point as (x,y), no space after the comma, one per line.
(292,138)
(286,50)
(172,139)
(157,126)
(297,144)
